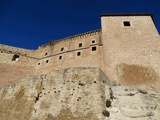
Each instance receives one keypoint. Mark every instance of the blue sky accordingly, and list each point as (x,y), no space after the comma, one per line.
(31,23)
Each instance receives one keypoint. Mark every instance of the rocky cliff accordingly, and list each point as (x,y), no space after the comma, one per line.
(77,94)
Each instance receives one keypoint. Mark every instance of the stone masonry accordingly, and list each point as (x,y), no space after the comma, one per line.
(107,74)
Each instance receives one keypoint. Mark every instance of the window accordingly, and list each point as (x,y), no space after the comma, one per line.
(38,63)
(93,41)
(15,58)
(62,49)
(80,44)
(60,57)
(94,48)
(46,54)
(47,61)
(78,53)
(126,23)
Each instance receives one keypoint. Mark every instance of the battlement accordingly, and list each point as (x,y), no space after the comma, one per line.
(78,36)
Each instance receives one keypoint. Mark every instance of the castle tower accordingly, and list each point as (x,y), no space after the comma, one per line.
(131,47)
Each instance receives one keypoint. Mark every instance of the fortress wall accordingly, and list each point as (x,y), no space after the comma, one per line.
(50,54)
(11,58)
(46,58)
(14,68)
(131,52)
(127,54)
(40,52)
(10,49)
(88,58)
(5,57)
(11,73)
(68,44)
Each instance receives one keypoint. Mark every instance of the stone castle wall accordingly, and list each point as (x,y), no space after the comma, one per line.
(132,53)
(114,49)
(109,74)
(14,67)
(73,52)
(84,50)
(10,49)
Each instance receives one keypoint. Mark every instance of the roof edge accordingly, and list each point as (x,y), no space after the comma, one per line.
(127,14)
(130,14)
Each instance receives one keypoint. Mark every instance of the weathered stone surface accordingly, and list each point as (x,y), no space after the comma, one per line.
(130,103)
(136,74)
(77,94)
(69,94)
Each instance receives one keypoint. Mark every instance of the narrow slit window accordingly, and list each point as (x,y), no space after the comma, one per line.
(60,57)
(15,58)
(126,23)
(80,44)
(78,53)
(47,61)
(46,54)
(62,49)
(94,48)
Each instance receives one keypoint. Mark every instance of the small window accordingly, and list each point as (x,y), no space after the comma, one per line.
(126,23)
(39,63)
(80,44)
(78,53)
(62,49)
(93,41)
(15,58)
(47,61)
(46,54)
(1,51)
(60,57)
(94,48)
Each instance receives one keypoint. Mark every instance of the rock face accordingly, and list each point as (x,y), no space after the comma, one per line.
(128,103)
(77,94)
(69,94)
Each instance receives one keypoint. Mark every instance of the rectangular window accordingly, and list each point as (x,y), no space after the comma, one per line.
(126,23)
(47,61)
(78,53)
(60,57)
(80,44)
(62,49)
(94,48)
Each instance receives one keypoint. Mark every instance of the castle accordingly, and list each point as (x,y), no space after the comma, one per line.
(126,49)
(107,74)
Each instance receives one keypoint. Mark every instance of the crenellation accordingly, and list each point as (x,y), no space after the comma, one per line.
(74,37)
